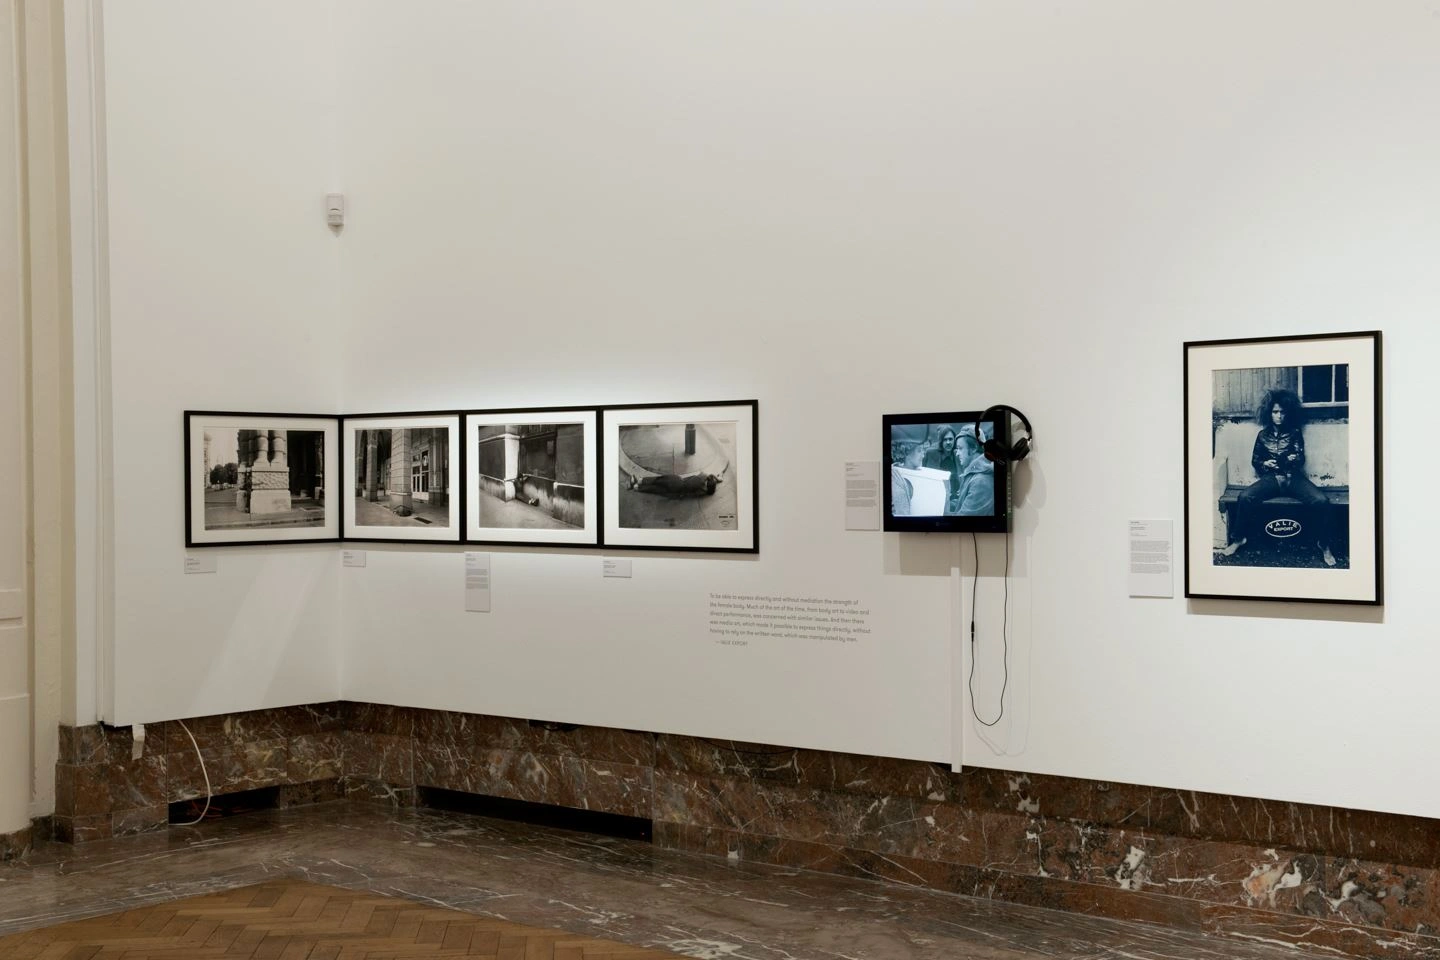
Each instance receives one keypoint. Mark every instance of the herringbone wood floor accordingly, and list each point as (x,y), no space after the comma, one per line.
(292,920)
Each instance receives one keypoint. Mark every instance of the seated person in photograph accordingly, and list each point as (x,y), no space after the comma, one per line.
(520,491)
(1279,461)
(677,487)
(974,494)
(904,454)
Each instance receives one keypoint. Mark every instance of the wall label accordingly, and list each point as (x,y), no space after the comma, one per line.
(738,618)
(1152,558)
(862,495)
(477,582)
(201,563)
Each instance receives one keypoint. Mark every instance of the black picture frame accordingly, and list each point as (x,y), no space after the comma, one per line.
(215,513)
(1285,503)
(417,518)
(673,506)
(584,536)
(998,521)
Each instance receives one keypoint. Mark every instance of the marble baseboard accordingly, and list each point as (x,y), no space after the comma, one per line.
(370,790)
(1328,879)
(1235,923)
(104,790)
(308,793)
(575,782)
(15,846)
(1362,892)
(983,833)
(391,751)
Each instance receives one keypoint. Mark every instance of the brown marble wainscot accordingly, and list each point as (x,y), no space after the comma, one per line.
(16,845)
(983,834)
(1343,881)
(83,806)
(586,768)
(103,790)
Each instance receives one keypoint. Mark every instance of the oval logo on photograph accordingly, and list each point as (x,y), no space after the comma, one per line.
(1282,528)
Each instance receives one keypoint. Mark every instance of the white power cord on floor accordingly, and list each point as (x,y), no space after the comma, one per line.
(208,793)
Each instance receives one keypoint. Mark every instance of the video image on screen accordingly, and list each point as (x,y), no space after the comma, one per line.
(939,470)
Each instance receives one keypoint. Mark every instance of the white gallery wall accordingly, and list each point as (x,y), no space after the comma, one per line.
(841,210)
(223,296)
(637,204)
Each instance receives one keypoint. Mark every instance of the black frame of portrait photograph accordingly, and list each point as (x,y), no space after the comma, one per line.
(298,525)
(1255,530)
(420,524)
(997,521)
(546,498)
(680,487)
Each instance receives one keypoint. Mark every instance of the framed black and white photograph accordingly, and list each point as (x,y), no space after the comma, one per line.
(260,478)
(681,476)
(530,477)
(402,477)
(1283,468)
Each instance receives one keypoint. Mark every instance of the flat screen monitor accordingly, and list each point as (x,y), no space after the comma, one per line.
(937,479)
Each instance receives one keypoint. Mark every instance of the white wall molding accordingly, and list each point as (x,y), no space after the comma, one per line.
(51,393)
(15,806)
(12,604)
(88,693)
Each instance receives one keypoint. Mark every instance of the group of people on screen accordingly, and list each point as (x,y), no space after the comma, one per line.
(970,483)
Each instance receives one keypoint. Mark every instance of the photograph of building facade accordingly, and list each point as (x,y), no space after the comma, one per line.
(531,476)
(402,477)
(263,478)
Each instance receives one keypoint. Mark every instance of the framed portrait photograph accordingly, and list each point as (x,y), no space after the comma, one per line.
(402,477)
(681,476)
(260,478)
(1283,469)
(530,477)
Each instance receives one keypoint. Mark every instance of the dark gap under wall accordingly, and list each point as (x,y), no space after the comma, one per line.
(540,814)
(225,805)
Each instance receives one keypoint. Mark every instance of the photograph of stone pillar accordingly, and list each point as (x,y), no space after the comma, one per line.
(401,477)
(263,478)
(259,478)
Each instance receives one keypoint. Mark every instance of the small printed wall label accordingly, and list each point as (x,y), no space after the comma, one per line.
(477,582)
(201,563)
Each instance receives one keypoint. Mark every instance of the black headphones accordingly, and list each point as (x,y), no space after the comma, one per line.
(998,452)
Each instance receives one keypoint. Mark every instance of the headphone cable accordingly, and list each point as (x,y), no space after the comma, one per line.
(1004,633)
